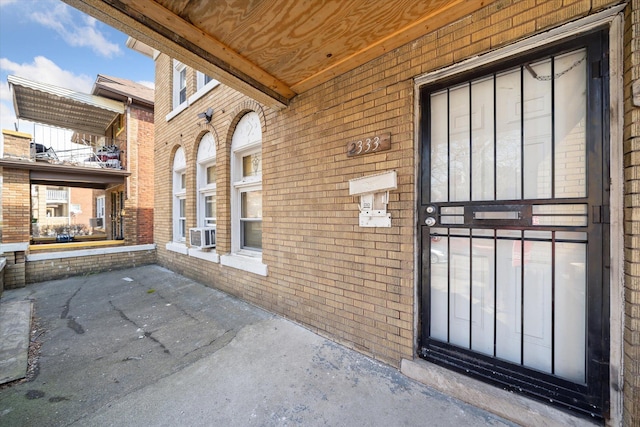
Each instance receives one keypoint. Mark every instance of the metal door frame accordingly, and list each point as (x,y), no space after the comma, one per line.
(592,400)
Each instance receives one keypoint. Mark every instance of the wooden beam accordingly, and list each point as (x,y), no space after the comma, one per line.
(180,40)
(449,13)
(189,32)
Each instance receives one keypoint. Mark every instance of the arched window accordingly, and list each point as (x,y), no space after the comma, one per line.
(246,186)
(179,196)
(206,181)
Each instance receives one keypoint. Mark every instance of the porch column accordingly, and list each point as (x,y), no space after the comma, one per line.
(16,209)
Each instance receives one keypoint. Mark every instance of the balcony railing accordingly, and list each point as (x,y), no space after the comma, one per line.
(76,149)
(57,196)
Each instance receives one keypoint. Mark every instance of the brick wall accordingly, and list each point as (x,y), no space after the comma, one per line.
(16,205)
(83,197)
(632,218)
(60,268)
(139,203)
(14,270)
(355,284)
(16,144)
(145,206)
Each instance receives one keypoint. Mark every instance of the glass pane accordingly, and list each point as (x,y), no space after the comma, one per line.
(450,219)
(210,206)
(459,154)
(508,299)
(183,181)
(182,203)
(482,295)
(560,221)
(211,174)
(537,234)
(183,77)
(252,234)
(509,233)
(460,292)
(252,165)
(577,209)
(482,142)
(537,305)
(439,147)
(183,85)
(569,322)
(452,210)
(438,284)
(571,235)
(570,109)
(537,130)
(251,204)
(508,154)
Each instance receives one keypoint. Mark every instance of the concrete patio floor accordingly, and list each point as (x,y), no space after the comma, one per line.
(148,347)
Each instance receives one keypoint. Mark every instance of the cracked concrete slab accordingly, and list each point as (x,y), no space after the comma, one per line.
(161,350)
(15,324)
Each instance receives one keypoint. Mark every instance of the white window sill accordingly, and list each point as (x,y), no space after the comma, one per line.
(179,109)
(211,256)
(206,88)
(181,248)
(247,263)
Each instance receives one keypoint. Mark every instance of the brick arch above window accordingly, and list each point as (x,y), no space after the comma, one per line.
(239,112)
(178,158)
(206,147)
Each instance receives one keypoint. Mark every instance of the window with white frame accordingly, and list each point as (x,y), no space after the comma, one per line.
(207,181)
(179,196)
(205,80)
(246,183)
(179,84)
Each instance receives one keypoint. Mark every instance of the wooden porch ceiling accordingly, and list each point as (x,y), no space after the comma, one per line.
(272,50)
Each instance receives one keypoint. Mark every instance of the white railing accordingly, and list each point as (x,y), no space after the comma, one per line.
(67,147)
(57,195)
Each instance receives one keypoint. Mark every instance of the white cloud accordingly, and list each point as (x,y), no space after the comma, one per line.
(44,70)
(5,93)
(151,85)
(75,29)
(7,2)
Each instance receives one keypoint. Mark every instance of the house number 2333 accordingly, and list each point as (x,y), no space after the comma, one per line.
(371,144)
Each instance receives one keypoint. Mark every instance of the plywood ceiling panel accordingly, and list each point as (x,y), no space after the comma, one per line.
(282,47)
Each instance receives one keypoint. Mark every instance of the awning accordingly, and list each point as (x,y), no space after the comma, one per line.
(65,108)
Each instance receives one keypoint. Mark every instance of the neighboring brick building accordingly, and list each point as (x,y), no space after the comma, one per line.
(64,196)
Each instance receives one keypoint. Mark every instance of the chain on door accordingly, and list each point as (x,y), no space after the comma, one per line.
(511,222)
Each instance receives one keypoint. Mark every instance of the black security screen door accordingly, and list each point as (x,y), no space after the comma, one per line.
(513,224)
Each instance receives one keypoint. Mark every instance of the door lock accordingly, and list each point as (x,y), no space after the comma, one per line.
(430,221)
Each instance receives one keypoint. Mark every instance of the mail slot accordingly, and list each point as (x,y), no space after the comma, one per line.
(498,215)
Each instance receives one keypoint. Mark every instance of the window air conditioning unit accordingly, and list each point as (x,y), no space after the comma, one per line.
(96,222)
(202,237)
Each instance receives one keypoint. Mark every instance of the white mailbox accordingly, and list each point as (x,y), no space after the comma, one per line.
(374,197)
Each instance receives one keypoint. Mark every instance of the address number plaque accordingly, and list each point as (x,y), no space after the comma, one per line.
(371,144)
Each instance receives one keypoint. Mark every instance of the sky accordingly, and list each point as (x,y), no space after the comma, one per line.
(50,42)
